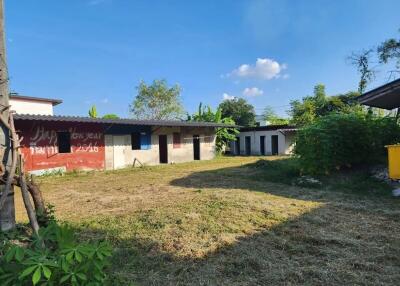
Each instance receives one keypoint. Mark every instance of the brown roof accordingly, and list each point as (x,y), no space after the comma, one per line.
(41,99)
(122,121)
(386,96)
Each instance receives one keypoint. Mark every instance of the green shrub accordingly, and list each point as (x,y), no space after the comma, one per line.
(344,140)
(53,258)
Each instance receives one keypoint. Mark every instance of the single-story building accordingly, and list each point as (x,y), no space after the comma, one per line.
(66,143)
(264,140)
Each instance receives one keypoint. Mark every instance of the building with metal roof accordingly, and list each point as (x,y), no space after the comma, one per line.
(386,96)
(65,143)
(264,140)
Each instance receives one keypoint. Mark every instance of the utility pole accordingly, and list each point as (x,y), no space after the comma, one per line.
(7,212)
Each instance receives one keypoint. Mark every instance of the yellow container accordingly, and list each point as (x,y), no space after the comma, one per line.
(394,161)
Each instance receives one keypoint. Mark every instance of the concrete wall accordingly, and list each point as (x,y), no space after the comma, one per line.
(25,106)
(285,142)
(151,156)
(40,146)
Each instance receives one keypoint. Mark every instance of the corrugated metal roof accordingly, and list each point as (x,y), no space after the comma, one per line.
(269,128)
(386,96)
(23,97)
(122,121)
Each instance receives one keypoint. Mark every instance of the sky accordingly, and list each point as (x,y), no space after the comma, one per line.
(95,52)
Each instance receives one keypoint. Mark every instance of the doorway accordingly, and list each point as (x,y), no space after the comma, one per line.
(163,149)
(196,147)
(248,145)
(274,145)
(119,152)
(262,145)
(237,146)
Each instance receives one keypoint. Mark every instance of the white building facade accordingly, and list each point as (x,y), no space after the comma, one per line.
(264,140)
(32,105)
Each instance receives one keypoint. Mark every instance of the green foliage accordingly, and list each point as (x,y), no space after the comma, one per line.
(272,118)
(361,61)
(386,52)
(343,140)
(223,135)
(389,50)
(53,258)
(93,112)
(310,108)
(157,101)
(239,110)
(110,116)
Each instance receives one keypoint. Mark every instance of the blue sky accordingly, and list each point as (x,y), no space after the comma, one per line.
(96,51)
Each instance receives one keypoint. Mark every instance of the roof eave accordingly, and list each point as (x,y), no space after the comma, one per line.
(55,118)
(386,96)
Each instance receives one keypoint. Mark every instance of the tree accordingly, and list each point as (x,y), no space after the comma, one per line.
(310,108)
(110,116)
(7,207)
(272,118)
(386,52)
(223,135)
(239,110)
(157,101)
(93,112)
(362,61)
(390,50)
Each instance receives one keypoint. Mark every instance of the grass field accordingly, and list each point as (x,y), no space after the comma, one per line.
(233,221)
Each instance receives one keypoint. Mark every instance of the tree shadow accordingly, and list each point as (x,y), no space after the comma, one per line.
(327,246)
(278,177)
(348,239)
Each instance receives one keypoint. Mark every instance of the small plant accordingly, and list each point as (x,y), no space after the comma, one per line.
(53,257)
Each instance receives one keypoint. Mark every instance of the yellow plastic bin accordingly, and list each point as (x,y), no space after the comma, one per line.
(394,161)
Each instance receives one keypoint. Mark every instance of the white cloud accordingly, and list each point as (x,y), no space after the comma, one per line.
(104,100)
(226,96)
(252,91)
(263,69)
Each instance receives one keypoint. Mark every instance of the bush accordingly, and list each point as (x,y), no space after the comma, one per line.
(52,258)
(344,140)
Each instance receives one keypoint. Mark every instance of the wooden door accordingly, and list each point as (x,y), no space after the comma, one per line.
(196,147)
(163,149)
(274,145)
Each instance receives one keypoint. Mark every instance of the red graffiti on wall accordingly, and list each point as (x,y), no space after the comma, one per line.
(40,146)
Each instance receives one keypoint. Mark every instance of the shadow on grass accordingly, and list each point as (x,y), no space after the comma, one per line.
(347,240)
(286,171)
(327,246)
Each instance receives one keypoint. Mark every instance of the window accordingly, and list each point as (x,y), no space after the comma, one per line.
(176,140)
(64,142)
(135,141)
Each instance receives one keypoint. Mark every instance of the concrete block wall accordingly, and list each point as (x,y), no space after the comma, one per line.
(175,155)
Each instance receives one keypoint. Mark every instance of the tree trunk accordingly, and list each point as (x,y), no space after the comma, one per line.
(25,196)
(7,210)
(37,197)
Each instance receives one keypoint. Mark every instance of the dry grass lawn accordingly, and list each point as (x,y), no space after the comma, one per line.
(221,223)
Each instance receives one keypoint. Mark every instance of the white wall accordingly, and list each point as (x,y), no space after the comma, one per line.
(175,155)
(25,106)
(285,142)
